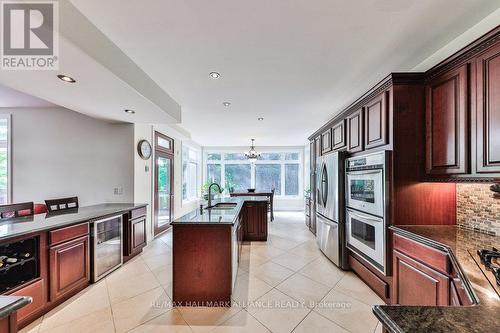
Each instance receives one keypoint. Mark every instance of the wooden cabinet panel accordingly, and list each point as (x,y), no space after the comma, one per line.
(317,146)
(326,141)
(36,291)
(68,233)
(338,136)
(375,120)
(488,111)
(355,132)
(69,267)
(138,234)
(446,123)
(9,324)
(418,284)
(255,221)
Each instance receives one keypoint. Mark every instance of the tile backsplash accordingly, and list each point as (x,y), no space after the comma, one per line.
(477,209)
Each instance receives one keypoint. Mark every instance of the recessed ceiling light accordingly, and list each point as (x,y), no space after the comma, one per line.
(129,111)
(226,103)
(214,75)
(66,78)
(260,119)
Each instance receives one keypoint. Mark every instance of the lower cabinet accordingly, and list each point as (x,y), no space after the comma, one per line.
(69,267)
(36,291)
(134,233)
(418,284)
(255,221)
(9,324)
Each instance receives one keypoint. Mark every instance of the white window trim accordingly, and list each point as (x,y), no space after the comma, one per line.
(8,116)
(222,162)
(198,162)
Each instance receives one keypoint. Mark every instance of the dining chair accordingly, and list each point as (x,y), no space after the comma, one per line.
(55,205)
(16,210)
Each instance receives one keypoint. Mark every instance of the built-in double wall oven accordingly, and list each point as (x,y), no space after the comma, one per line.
(366,192)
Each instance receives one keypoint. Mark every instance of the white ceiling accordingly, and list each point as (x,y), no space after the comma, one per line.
(295,63)
(11,98)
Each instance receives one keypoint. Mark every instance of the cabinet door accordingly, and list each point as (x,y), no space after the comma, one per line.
(355,132)
(36,291)
(488,111)
(375,120)
(317,146)
(69,267)
(446,123)
(138,234)
(326,141)
(338,136)
(418,284)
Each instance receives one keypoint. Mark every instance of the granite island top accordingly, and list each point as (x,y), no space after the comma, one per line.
(10,304)
(218,216)
(461,245)
(35,223)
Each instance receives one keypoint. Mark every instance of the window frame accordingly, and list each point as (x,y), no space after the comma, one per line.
(8,146)
(282,162)
(196,161)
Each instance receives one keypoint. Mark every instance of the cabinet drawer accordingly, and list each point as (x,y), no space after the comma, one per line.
(139,212)
(431,257)
(36,291)
(68,233)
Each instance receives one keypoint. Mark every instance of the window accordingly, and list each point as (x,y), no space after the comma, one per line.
(268,177)
(237,177)
(4,159)
(276,170)
(189,173)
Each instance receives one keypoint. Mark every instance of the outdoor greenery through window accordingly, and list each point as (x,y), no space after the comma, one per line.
(280,171)
(4,159)
(190,163)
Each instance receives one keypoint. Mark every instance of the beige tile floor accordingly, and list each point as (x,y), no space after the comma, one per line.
(283,285)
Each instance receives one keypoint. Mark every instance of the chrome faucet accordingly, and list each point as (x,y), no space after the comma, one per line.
(210,193)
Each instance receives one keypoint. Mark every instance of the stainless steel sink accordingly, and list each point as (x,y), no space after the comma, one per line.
(223,206)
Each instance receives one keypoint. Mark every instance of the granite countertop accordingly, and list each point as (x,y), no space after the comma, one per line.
(461,245)
(218,216)
(25,225)
(10,304)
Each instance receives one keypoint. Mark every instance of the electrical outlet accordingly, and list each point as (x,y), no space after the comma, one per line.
(118,190)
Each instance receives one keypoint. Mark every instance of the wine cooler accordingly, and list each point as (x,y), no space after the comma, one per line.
(18,263)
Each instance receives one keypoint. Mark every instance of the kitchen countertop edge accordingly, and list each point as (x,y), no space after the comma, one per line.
(13,303)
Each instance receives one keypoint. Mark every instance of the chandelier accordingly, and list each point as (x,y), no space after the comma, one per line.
(252,154)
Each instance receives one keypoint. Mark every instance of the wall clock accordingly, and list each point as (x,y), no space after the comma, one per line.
(144,149)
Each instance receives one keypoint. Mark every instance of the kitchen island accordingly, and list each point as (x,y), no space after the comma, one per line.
(207,246)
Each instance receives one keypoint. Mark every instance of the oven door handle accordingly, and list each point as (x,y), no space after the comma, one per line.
(366,217)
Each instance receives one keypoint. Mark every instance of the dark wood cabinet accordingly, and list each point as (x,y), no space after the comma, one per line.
(355,132)
(317,146)
(9,324)
(339,136)
(69,267)
(488,111)
(418,284)
(255,221)
(134,233)
(37,291)
(326,141)
(375,121)
(447,123)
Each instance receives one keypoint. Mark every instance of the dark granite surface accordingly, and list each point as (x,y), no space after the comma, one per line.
(218,216)
(461,244)
(25,225)
(10,304)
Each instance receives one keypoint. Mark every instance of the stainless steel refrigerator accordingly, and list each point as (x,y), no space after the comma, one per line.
(330,209)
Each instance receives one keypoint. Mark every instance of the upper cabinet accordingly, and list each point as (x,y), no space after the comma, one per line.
(355,131)
(446,123)
(338,136)
(326,141)
(375,121)
(487,67)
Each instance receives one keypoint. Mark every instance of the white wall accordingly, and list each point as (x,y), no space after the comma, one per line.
(57,152)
